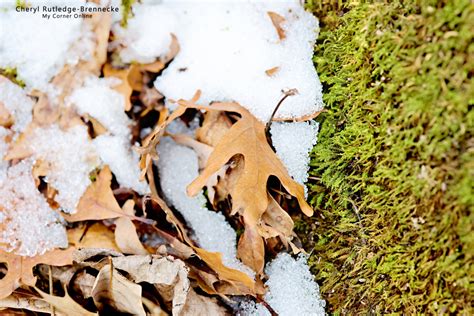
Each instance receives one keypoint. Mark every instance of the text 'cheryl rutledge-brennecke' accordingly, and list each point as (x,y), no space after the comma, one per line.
(65,11)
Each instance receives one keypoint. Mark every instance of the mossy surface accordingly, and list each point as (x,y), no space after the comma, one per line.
(126,11)
(392,173)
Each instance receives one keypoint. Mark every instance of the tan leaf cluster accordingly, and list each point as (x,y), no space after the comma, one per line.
(248,189)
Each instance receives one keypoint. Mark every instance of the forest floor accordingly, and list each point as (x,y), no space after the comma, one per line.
(391,176)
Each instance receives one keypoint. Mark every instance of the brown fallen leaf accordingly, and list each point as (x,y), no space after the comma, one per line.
(275,221)
(65,304)
(25,302)
(202,150)
(83,283)
(277,21)
(20,269)
(226,280)
(168,275)
(214,126)
(98,128)
(95,236)
(98,202)
(6,119)
(124,88)
(148,149)
(114,293)
(153,308)
(198,305)
(126,235)
(247,137)
(270,72)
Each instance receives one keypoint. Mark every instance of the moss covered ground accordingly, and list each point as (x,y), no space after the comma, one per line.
(392,173)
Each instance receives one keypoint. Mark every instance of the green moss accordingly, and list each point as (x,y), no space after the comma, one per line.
(126,11)
(21,3)
(392,173)
(12,74)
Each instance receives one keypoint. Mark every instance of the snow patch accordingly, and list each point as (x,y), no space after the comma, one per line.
(225,50)
(293,143)
(29,226)
(70,156)
(123,161)
(97,99)
(18,104)
(291,290)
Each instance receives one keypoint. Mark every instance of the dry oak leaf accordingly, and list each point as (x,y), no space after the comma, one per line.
(126,236)
(65,305)
(112,292)
(98,202)
(198,305)
(249,195)
(25,302)
(127,76)
(95,236)
(168,275)
(20,268)
(148,149)
(226,280)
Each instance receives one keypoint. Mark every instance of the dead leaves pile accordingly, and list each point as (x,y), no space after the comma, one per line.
(132,254)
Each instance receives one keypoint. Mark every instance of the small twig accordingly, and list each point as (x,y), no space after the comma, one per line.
(286,93)
(53,312)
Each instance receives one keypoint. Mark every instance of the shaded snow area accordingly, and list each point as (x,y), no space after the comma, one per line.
(98,100)
(178,166)
(38,48)
(28,224)
(225,50)
(291,290)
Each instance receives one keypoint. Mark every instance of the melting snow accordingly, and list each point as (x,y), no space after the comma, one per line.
(29,225)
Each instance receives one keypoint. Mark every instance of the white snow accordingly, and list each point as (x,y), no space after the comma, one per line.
(178,167)
(123,161)
(71,157)
(38,48)
(18,104)
(29,226)
(225,49)
(293,143)
(97,99)
(291,290)
(148,35)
